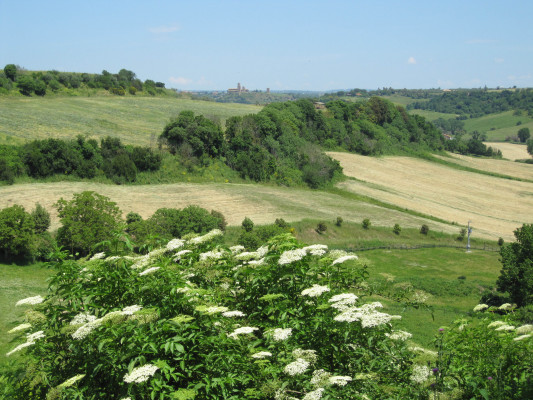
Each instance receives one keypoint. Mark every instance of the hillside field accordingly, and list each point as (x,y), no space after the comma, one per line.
(511,151)
(495,206)
(135,120)
(499,126)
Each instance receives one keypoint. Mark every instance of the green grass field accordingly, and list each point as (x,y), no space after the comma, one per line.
(499,126)
(18,282)
(135,120)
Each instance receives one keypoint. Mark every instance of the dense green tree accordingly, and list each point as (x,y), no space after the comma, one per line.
(11,71)
(39,87)
(16,231)
(247,224)
(530,146)
(41,219)
(89,218)
(524,134)
(516,276)
(25,84)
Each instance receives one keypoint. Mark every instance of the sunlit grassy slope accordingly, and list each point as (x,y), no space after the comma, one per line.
(135,120)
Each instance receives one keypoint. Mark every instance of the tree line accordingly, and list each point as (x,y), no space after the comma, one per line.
(80,157)
(40,83)
(478,102)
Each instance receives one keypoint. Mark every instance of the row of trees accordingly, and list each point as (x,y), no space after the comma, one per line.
(92,223)
(82,157)
(476,103)
(39,83)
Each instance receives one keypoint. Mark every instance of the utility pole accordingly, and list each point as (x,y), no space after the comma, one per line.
(468,241)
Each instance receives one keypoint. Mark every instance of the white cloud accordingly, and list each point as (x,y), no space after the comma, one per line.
(180,80)
(164,29)
(411,60)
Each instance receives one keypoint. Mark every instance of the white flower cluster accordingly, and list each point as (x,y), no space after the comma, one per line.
(420,374)
(30,339)
(340,380)
(91,322)
(419,296)
(211,255)
(366,314)
(236,249)
(181,253)
(207,237)
(314,395)
(425,351)
(399,335)
(280,334)
(343,301)
(97,256)
(505,328)
(215,309)
(496,324)
(315,291)
(308,355)
(290,256)
(19,328)
(140,374)
(505,306)
(521,330)
(255,263)
(112,258)
(30,300)
(342,259)
(296,367)
(82,318)
(521,337)
(141,262)
(149,271)
(262,354)
(480,307)
(245,330)
(232,314)
(175,244)
(71,381)
(316,249)
(320,378)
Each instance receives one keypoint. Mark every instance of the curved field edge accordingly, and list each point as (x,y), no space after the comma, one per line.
(495,206)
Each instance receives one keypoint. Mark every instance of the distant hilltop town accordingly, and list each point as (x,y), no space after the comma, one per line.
(241,89)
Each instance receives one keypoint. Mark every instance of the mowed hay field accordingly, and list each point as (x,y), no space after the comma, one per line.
(502,167)
(262,203)
(511,151)
(495,206)
(135,120)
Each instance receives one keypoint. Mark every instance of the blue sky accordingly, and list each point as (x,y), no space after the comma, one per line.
(305,45)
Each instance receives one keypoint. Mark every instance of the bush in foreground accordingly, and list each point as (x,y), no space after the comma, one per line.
(198,320)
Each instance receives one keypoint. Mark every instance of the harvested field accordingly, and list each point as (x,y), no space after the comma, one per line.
(510,151)
(495,206)
(503,167)
(263,204)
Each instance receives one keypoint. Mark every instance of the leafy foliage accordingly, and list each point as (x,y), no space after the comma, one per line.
(16,231)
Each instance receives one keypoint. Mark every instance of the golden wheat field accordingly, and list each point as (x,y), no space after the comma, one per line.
(511,151)
(263,204)
(495,206)
(502,167)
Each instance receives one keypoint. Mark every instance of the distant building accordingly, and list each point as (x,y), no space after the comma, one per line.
(240,89)
(268,90)
(319,105)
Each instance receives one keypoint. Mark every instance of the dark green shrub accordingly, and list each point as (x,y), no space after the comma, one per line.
(11,71)
(16,232)
(281,223)
(462,234)
(424,229)
(366,223)
(132,217)
(249,240)
(25,85)
(321,228)
(397,229)
(41,219)
(500,242)
(222,224)
(339,221)
(247,224)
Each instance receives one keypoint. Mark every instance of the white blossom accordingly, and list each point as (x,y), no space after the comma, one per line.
(20,347)
(216,309)
(83,331)
(19,328)
(314,395)
(496,324)
(320,378)
(291,256)
(262,354)
(82,318)
(236,249)
(207,237)
(262,251)
(420,374)
(480,307)
(308,355)
(505,328)
(149,271)
(345,258)
(211,255)
(141,262)
(130,310)
(505,306)
(315,291)
(32,337)
(175,244)
(71,381)
(30,300)
(522,337)
(340,380)
(316,249)
(279,334)
(399,335)
(343,301)
(255,263)
(231,314)
(524,329)
(141,374)
(296,367)
(97,256)
(245,330)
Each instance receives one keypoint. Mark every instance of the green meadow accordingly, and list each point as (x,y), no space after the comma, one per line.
(499,126)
